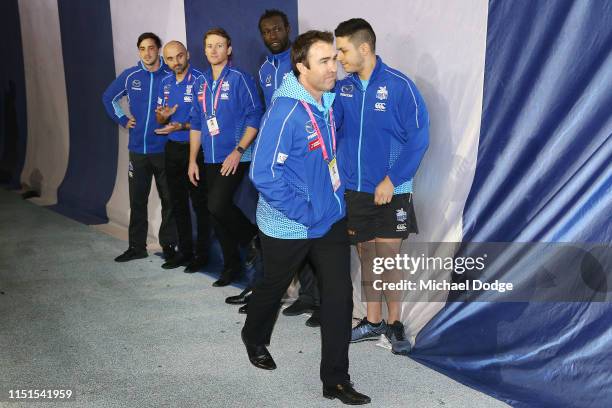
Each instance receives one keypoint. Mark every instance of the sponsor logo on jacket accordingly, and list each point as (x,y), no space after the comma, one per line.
(347,91)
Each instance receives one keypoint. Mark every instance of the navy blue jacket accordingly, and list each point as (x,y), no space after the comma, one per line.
(239,106)
(296,197)
(382,130)
(141,88)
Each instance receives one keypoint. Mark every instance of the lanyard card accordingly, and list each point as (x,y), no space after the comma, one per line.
(333,174)
(213,126)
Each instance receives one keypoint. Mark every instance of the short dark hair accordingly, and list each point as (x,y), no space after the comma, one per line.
(358,30)
(302,44)
(145,36)
(221,33)
(273,13)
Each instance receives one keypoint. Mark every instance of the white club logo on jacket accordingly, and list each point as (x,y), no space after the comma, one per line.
(382,93)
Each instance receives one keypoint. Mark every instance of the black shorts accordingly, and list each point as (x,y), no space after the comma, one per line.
(367,220)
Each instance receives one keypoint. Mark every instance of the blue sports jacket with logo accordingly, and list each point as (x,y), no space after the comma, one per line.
(141,88)
(382,130)
(272,72)
(178,93)
(238,106)
(296,197)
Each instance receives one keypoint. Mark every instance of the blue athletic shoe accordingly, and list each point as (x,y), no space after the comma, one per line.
(395,332)
(366,331)
(396,336)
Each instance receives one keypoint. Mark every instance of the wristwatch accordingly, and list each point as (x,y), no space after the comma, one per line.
(240,149)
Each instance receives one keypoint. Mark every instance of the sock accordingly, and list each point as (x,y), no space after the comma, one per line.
(375,324)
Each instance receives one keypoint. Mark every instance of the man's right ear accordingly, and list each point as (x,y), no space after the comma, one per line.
(301,67)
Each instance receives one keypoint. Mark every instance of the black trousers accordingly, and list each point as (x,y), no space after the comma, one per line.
(142,168)
(309,291)
(330,256)
(231,226)
(181,190)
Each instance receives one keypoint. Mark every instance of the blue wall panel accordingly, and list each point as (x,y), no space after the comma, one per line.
(13,108)
(87,45)
(239,19)
(543,175)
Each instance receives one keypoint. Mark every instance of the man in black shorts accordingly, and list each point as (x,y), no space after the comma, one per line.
(383,135)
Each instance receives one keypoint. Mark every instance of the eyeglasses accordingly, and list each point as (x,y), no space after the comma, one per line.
(275,30)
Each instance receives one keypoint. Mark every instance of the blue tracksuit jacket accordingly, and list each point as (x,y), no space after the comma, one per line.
(296,197)
(141,88)
(272,72)
(383,130)
(172,93)
(239,106)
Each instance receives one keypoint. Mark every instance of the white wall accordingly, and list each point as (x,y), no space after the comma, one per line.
(166,18)
(47,105)
(440,45)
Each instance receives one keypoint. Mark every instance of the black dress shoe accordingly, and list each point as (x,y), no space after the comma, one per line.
(297,308)
(178,260)
(243,309)
(259,356)
(345,393)
(240,299)
(196,264)
(227,276)
(314,320)
(131,254)
(221,282)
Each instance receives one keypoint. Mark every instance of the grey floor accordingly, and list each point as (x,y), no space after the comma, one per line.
(135,335)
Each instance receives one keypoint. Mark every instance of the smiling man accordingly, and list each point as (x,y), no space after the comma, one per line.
(300,213)
(140,84)
(274,29)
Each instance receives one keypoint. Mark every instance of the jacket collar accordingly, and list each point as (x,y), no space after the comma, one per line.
(161,69)
(281,56)
(380,66)
(292,88)
(209,76)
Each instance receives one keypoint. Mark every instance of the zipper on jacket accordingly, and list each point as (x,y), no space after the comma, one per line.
(212,109)
(359,146)
(148,113)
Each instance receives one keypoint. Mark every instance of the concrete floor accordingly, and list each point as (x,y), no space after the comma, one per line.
(135,335)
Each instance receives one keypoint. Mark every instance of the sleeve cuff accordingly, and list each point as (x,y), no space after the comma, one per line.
(395,180)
